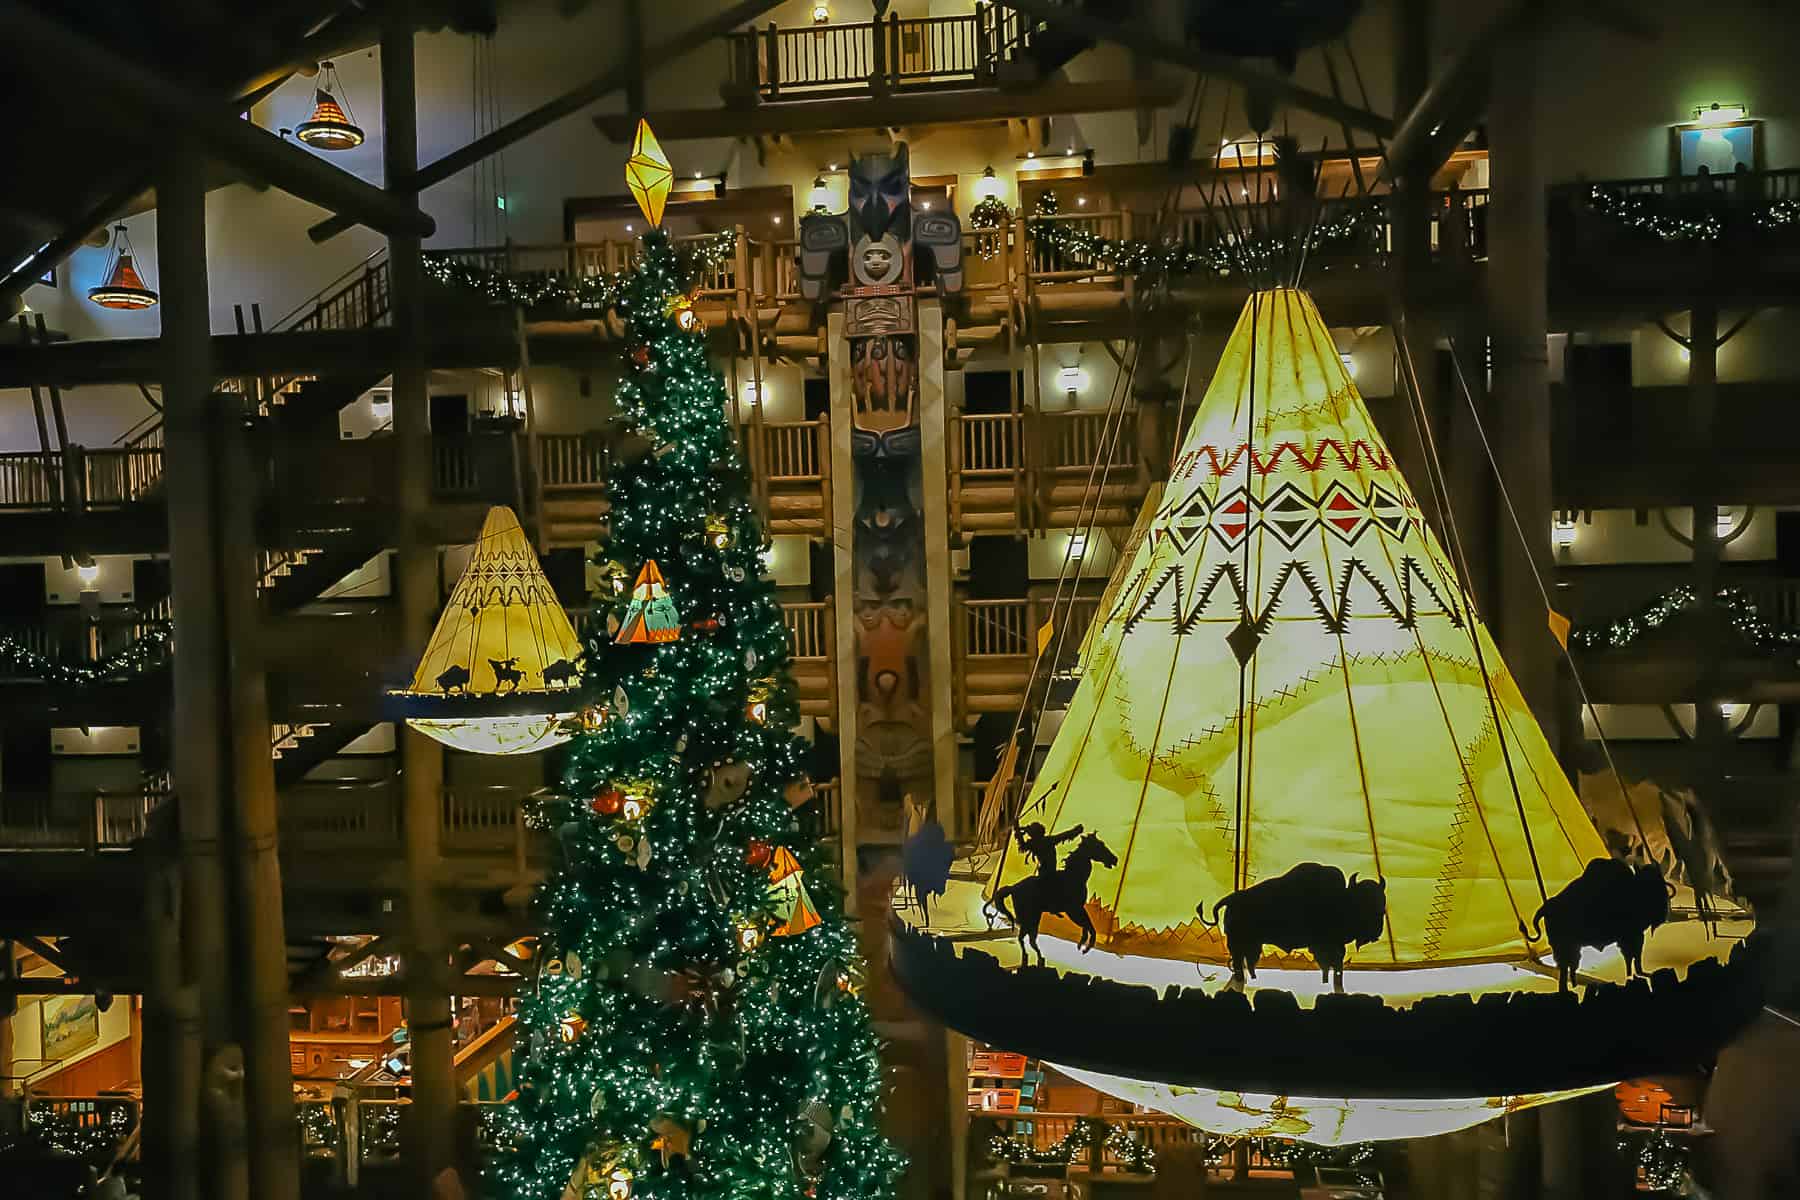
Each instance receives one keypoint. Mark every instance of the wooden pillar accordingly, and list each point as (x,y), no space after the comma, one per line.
(1710,733)
(1518,317)
(843,595)
(200,767)
(934,425)
(171,1064)
(260,929)
(428,1132)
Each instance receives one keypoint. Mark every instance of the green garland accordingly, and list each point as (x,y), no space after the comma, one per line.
(1658,214)
(1141,258)
(555,289)
(1662,1160)
(1740,610)
(1128,1147)
(144,653)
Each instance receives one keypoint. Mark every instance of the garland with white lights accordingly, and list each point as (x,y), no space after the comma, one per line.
(144,653)
(1132,1151)
(1662,1161)
(1658,214)
(554,289)
(1740,610)
(1141,258)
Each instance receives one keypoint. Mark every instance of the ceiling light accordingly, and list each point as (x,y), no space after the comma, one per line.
(330,127)
(1719,114)
(124,287)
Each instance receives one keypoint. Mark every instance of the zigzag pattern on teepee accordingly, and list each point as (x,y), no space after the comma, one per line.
(1351,460)
(1334,608)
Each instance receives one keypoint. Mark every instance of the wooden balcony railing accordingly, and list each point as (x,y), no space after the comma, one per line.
(990,443)
(996,646)
(831,807)
(874,57)
(809,629)
(107,478)
(87,822)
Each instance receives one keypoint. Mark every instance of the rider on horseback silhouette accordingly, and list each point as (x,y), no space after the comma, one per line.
(1040,846)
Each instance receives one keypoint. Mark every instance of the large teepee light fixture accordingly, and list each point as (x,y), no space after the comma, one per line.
(1287,690)
(330,126)
(502,670)
(124,288)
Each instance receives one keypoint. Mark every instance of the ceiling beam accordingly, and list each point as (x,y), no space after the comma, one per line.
(1142,39)
(570,102)
(53,54)
(888,112)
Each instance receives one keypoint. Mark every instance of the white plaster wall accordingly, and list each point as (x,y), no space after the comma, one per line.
(1613,536)
(1649,723)
(1046,555)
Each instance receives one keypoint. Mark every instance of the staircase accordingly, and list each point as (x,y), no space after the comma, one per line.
(291,578)
(297,749)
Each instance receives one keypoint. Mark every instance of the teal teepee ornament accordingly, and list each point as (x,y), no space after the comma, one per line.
(651,617)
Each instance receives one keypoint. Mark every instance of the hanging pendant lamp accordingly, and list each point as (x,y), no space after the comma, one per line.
(124,287)
(502,671)
(330,128)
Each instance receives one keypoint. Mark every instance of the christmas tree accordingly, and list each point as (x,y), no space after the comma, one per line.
(695,1027)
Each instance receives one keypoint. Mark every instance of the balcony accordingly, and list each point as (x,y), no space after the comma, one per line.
(1016,472)
(995,647)
(881,57)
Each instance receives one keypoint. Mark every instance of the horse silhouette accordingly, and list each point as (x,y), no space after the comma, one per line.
(506,671)
(1063,890)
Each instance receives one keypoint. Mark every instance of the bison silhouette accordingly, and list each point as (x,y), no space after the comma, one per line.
(1609,903)
(454,679)
(1310,907)
(563,670)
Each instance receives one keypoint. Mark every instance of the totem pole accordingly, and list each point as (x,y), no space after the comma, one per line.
(872,259)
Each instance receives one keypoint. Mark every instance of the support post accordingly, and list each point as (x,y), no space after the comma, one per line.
(1710,734)
(199,760)
(843,593)
(934,427)
(430,1119)
(261,933)
(171,1074)
(1519,320)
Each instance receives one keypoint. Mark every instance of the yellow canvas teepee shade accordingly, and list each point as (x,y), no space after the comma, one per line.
(501,669)
(1288,577)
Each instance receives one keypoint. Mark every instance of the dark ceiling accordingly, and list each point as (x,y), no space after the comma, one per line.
(71,166)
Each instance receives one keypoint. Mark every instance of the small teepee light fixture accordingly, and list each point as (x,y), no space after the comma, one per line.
(502,672)
(331,127)
(124,287)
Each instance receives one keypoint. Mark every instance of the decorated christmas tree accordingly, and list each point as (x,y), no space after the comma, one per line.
(695,1026)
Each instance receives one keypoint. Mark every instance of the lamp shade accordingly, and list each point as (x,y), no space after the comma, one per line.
(124,288)
(1294,740)
(329,127)
(503,668)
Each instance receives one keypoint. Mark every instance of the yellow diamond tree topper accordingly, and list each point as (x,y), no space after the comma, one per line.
(648,173)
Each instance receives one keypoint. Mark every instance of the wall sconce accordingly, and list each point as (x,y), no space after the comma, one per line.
(1723,526)
(820,197)
(752,393)
(1077,545)
(821,14)
(1719,114)
(89,574)
(1071,379)
(988,187)
(1087,163)
(1349,361)
(381,402)
(1562,532)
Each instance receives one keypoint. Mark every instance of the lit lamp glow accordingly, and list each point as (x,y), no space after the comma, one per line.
(648,173)
(820,197)
(1286,595)
(1562,533)
(1719,114)
(1071,379)
(124,288)
(1349,361)
(89,574)
(330,127)
(989,187)
(500,673)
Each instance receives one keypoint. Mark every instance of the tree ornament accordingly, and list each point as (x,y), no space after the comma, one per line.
(554,967)
(792,905)
(726,782)
(614,578)
(759,854)
(708,624)
(574,965)
(621,702)
(750,659)
(609,803)
(643,854)
(812,1135)
(597,1103)
(681,307)
(672,1139)
(571,1027)
(641,356)
(648,173)
(734,573)
(651,617)
(625,842)
(749,933)
(799,791)
(718,531)
(591,718)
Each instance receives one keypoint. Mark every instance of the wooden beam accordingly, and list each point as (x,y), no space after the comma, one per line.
(910,110)
(1143,39)
(570,102)
(114,87)
(128,361)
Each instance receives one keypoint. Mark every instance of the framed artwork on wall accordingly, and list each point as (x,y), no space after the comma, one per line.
(1722,147)
(70,1025)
